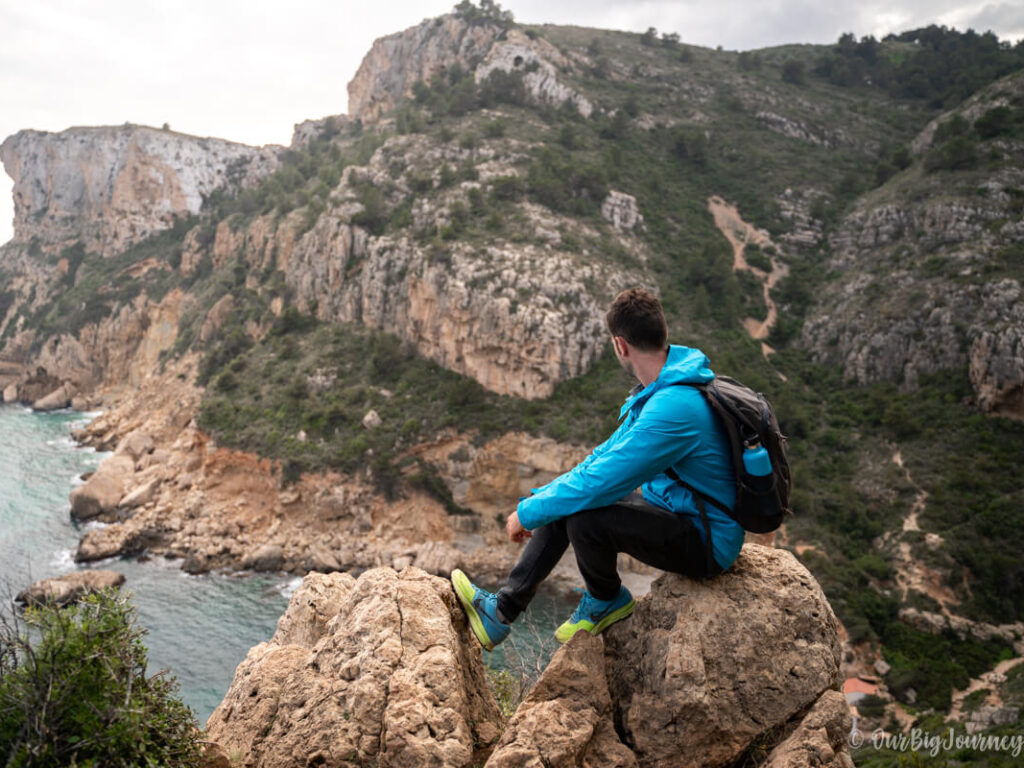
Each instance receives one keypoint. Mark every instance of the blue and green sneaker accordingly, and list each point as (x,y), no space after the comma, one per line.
(482,610)
(595,615)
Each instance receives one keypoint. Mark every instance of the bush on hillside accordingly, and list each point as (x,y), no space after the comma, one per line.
(74,691)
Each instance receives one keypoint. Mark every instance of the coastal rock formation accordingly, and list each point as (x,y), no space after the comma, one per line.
(705,667)
(113,186)
(380,669)
(58,398)
(63,590)
(103,491)
(565,720)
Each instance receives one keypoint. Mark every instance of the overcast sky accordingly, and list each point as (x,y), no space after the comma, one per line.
(247,70)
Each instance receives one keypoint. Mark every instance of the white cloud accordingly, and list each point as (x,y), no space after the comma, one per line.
(248,70)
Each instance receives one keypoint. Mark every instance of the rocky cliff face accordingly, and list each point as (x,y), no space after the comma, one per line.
(928,275)
(396,61)
(112,186)
(420,53)
(461,304)
(384,668)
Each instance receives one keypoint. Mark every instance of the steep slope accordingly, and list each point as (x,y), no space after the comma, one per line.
(929,266)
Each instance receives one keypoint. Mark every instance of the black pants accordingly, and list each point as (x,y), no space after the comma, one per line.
(651,534)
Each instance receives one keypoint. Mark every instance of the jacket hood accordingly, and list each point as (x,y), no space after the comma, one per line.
(683,366)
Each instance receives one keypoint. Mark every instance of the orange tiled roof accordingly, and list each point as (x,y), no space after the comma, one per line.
(856,685)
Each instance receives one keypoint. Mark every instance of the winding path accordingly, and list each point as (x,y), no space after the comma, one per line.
(740,233)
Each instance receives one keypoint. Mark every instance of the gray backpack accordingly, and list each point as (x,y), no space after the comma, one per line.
(762,502)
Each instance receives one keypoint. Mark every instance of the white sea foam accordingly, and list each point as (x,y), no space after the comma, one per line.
(63,560)
(287,588)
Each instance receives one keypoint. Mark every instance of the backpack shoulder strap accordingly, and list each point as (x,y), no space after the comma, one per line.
(701,498)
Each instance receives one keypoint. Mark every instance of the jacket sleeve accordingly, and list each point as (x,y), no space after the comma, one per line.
(616,467)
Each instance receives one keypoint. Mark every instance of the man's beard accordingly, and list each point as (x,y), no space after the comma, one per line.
(627,366)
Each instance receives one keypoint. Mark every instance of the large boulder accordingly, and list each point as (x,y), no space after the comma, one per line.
(381,670)
(68,588)
(37,385)
(102,492)
(135,444)
(706,667)
(58,398)
(566,719)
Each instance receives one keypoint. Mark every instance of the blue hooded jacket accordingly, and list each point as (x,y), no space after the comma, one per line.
(661,426)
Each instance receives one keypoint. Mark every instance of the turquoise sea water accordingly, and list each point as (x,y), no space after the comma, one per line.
(199,627)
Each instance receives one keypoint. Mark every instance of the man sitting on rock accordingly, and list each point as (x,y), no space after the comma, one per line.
(594,506)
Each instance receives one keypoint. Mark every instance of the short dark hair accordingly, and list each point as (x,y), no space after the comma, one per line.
(637,316)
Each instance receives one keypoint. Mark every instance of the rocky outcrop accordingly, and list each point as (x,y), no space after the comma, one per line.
(940,623)
(382,669)
(566,719)
(997,353)
(395,62)
(308,130)
(63,590)
(538,61)
(705,667)
(102,492)
(462,309)
(35,385)
(705,673)
(113,186)
(117,352)
(58,398)
(621,210)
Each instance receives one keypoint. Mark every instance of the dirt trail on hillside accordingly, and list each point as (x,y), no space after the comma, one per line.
(740,233)
(988,680)
(912,573)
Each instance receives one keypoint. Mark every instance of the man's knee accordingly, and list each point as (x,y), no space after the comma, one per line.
(588,525)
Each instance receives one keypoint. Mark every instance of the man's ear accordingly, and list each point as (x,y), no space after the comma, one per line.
(620,345)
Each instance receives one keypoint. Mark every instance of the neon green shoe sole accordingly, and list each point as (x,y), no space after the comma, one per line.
(570,628)
(478,606)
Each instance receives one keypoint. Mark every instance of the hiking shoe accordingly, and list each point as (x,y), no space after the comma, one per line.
(595,615)
(482,610)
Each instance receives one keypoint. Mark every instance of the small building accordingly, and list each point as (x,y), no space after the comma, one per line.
(856,688)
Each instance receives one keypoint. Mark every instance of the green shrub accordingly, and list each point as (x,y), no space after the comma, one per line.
(793,72)
(74,691)
(994,122)
(958,154)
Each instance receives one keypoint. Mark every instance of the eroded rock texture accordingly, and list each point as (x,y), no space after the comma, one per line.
(703,668)
(377,670)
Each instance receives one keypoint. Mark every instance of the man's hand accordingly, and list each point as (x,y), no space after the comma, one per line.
(515,529)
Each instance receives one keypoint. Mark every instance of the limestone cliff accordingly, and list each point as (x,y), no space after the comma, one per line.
(112,186)
(396,62)
(462,305)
